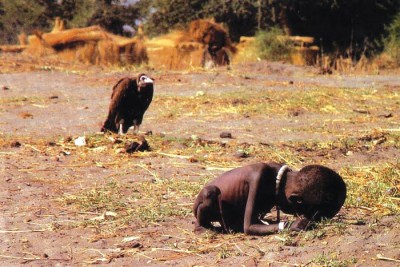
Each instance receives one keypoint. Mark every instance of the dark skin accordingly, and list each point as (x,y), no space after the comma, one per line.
(240,197)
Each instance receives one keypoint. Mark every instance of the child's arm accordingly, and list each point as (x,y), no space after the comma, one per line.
(252,226)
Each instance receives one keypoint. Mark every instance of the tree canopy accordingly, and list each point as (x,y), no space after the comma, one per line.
(343,26)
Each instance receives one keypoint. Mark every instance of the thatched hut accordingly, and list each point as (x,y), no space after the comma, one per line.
(91,45)
(204,43)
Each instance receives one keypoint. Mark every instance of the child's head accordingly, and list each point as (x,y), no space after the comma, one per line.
(316,192)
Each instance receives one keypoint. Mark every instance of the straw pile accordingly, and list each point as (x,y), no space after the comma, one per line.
(91,45)
(203,43)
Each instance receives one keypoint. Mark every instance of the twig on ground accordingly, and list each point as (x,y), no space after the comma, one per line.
(381,257)
(22,231)
(173,155)
(146,169)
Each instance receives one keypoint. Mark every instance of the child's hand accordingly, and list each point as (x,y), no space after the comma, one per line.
(300,224)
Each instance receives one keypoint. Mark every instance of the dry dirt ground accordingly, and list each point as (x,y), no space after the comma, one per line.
(68,205)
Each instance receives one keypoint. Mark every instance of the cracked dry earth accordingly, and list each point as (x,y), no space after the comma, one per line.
(47,182)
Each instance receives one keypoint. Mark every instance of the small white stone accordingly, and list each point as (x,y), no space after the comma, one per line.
(200,93)
(80,141)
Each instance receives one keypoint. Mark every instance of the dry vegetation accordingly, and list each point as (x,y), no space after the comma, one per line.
(181,49)
(98,204)
(115,207)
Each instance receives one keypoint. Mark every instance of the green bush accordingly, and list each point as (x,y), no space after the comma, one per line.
(392,41)
(271,47)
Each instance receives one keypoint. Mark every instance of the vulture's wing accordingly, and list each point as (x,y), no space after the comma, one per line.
(124,89)
(116,86)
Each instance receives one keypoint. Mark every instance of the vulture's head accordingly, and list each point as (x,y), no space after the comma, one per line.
(143,81)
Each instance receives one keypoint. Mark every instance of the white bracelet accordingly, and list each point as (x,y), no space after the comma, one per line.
(281,226)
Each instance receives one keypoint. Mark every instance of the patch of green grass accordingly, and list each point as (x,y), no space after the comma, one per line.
(392,41)
(158,210)
(163,198)
(327,226)
(148,202)
(270,46)
(224,252)
(332,261)
(288,238)
(299,153)
(319,233)
(103,208)
(339,228)
(98,199)
(375,187)
(269,102)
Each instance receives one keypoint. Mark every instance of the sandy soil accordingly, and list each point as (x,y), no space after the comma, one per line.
(42,106)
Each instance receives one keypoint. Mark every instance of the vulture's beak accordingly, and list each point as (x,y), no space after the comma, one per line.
(148,80)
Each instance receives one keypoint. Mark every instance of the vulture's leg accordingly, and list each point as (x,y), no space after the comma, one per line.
(120,129)
(136,129)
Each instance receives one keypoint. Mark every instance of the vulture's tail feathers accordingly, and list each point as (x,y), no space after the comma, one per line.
(109,125)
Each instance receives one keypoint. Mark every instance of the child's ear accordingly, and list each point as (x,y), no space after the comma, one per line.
(295,199)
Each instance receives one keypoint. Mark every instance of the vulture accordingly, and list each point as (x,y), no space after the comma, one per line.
(130,99)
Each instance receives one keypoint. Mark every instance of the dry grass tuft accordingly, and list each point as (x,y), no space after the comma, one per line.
(374,188)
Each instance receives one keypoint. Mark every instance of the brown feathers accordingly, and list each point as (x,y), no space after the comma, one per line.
(130,99)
